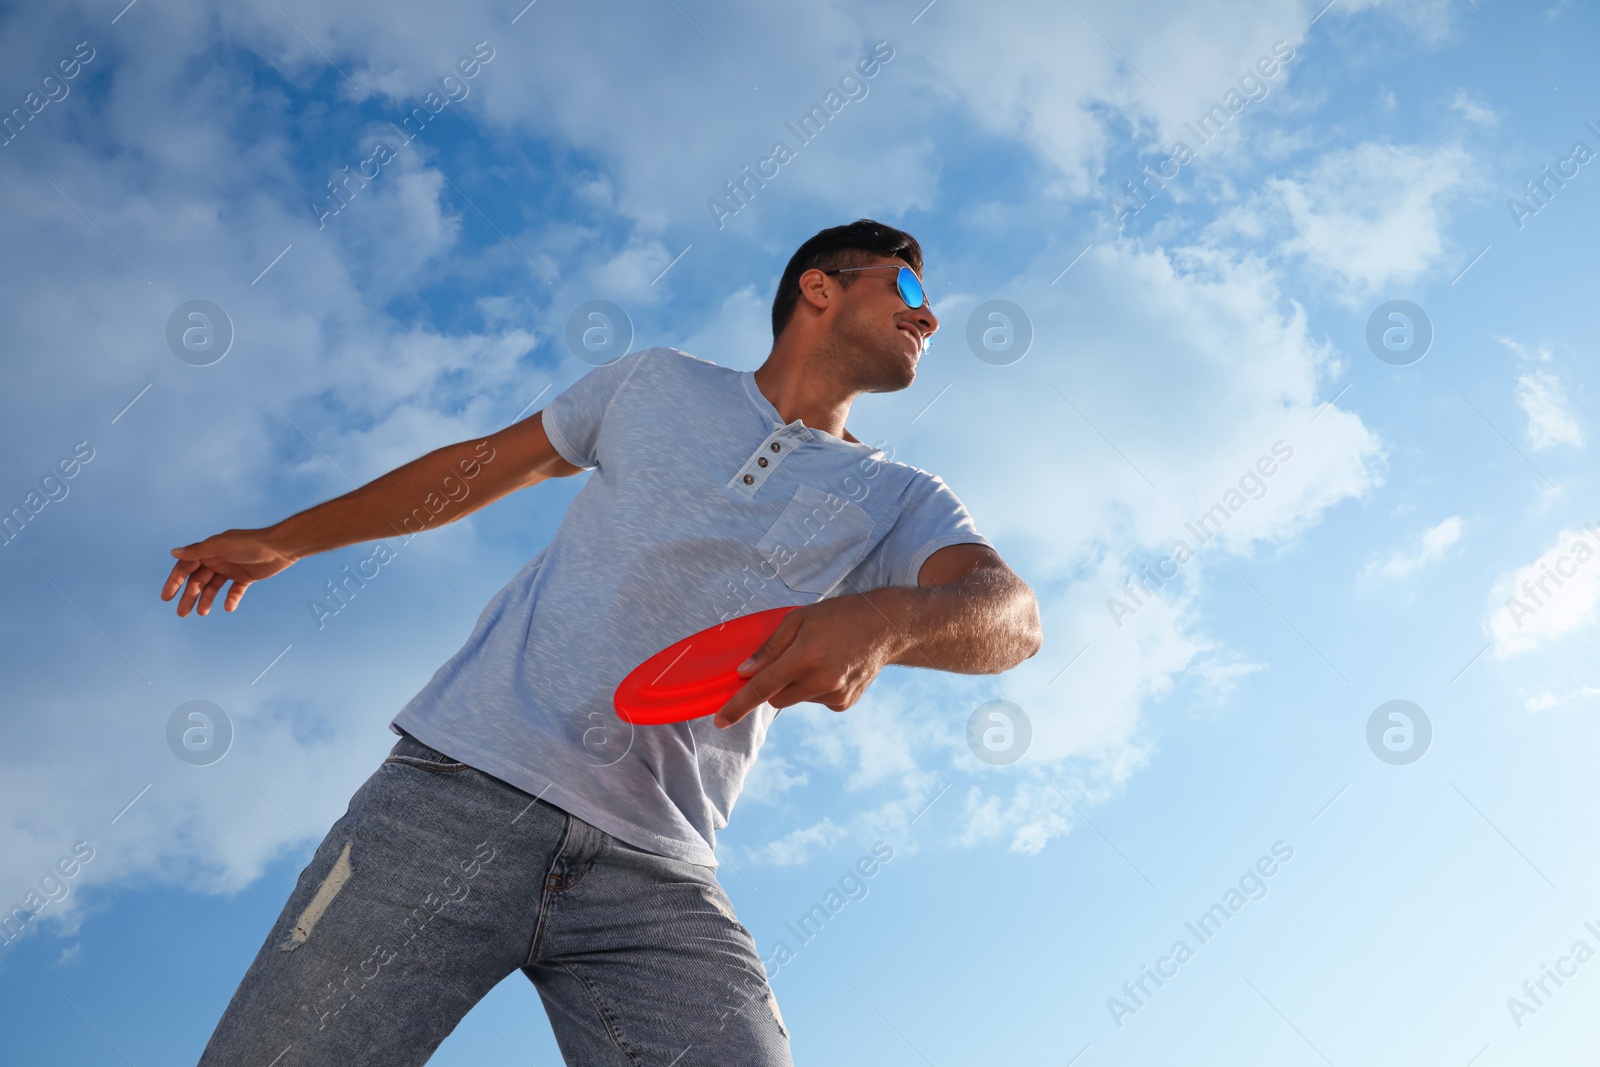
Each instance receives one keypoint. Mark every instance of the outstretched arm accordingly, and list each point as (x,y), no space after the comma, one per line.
(447,484)
(970,613)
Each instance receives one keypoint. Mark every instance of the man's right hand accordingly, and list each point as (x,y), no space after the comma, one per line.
(203,568)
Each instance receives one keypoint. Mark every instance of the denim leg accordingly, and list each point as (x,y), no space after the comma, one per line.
(420,899)
(439,881)
(640,960)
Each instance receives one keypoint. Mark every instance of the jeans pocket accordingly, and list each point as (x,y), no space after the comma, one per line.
(410,752)
(817,540)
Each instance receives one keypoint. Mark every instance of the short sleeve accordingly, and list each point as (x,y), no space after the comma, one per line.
(931,517)
(574,419)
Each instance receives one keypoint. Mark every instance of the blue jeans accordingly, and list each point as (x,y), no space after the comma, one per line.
(439,881)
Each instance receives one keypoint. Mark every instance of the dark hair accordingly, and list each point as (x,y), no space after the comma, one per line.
(852,245)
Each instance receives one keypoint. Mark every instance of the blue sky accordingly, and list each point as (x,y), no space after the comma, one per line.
(1172,746)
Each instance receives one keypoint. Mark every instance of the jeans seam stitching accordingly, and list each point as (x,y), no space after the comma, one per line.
(545,894)
(611,1031)
(429,765)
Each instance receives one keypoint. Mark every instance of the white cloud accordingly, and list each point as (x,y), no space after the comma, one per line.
(1431,546)
(1542,395)
(1553,13)
(740,334)
(1032,814)
(798,846)
(1375,212)
(1541,701)
(1481,114)
(1431,21)
(770,779)
(1219,678)
(1155,416)
(1557,594)
(1551,421)
(1546,699)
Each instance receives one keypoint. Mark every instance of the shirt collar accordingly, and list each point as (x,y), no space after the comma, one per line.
(802,431)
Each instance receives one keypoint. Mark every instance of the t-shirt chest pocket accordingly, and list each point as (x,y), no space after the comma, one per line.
(818,539)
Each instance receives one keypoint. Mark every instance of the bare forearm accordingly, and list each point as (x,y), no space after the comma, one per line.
(986,623)
(442,486)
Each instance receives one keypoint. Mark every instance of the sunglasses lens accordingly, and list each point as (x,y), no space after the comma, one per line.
(910,288)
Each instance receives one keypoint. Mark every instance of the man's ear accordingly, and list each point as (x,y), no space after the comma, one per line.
(814,288)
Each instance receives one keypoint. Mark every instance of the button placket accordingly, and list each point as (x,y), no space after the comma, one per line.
(768,457)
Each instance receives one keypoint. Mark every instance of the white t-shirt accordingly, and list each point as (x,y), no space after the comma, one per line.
(702,506)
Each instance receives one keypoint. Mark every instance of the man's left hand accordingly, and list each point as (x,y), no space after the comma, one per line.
(827,652)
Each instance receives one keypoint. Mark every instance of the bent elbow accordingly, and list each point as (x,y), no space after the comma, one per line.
(1034,635)
(1034,642)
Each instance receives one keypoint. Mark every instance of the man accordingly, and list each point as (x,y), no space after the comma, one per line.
(519,823)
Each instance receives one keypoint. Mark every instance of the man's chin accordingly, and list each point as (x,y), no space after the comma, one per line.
(895,385)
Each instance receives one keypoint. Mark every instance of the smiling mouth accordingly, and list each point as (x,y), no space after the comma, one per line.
(913,334)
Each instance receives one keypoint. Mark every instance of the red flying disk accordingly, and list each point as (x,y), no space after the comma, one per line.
(697,675)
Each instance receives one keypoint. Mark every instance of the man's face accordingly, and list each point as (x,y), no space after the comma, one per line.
(878,334)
